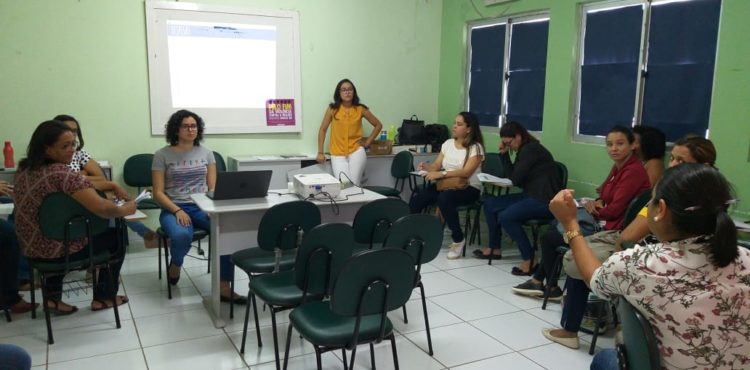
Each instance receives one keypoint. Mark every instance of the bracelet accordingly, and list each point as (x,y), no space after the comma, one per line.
(178,210)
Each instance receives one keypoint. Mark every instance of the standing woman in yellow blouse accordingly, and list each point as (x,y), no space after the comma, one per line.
(347,146)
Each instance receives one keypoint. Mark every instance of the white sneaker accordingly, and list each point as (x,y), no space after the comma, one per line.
(456,249)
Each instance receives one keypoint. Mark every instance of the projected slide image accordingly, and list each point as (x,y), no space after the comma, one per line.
(218,65)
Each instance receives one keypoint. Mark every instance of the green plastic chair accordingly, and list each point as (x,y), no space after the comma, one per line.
(369,285)
(63,219)
(324,250)
(640,349)
(372,221)
(136,172)
(279,234)
(402,164)
(221,166)
(420,235)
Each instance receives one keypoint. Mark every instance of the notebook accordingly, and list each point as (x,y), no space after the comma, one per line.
(241,184)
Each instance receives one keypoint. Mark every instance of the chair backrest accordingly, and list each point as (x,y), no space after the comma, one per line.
(62,218)
(221,166)
(562,170)
(640,350)
(493,165)
(403,163)
(635,206)
(374,219)
(324,250)
(137,170)
(419,234)
(283,224)
(373,282)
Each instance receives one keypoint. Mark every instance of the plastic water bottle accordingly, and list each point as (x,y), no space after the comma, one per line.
(383,135)
(392,132)
(8,154)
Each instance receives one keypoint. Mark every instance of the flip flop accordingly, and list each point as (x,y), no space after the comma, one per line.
(56,309)
(105,304)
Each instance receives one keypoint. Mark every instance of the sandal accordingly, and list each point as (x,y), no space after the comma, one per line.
(56,308)
(105,304)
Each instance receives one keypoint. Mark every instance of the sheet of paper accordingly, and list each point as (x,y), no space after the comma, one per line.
(485,177)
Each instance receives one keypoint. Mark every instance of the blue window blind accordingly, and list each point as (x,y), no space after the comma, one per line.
(680,67)
(609,72)
(485,85)
(526,72)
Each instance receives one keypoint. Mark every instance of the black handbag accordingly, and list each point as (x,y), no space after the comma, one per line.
(412,132)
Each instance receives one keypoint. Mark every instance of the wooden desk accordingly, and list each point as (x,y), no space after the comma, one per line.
(234,226)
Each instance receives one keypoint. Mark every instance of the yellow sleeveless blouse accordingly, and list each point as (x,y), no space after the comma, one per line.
(346,130)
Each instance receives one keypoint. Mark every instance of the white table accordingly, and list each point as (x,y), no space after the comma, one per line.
(234,226)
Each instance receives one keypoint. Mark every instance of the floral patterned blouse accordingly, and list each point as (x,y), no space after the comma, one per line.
(700,313)
(30,190)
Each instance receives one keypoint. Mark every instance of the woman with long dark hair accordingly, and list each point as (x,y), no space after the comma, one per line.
(45,171)
(460,158)
(347,145)
(693,286)
(534,171)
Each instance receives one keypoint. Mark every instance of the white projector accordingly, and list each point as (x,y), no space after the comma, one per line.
(312,184)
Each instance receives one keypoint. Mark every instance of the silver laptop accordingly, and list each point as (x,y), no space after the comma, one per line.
(241,184)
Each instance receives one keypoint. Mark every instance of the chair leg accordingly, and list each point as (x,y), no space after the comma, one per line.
(7,315)
(343,357)
(209,255)
(426,319)
(111,283)
(275,337)
(395,353)
(50,338)
(354,355)
(599,317)
(159,254)
(288,342)
(372,356)
(166,270)
(255,316)
(244,326)
(554,275)
(33,293)
(231,303)
(317,358)
(406,319)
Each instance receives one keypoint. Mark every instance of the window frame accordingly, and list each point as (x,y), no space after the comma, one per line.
(508,21)
(585,9)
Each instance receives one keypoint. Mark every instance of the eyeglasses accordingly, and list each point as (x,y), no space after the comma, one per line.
(346,90)
(189,127)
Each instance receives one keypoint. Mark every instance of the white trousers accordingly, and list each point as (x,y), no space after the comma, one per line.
(352,165)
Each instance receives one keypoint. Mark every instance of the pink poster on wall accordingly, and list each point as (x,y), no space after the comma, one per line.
(280,112)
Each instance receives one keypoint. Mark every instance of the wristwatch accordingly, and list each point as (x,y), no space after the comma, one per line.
(569,235)
(445,173)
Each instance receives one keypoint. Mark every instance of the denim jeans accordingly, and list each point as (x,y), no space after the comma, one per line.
(181,237)
(448,201)
(605,359)
(576,300)
(510,212)
(139,228)
(13,357)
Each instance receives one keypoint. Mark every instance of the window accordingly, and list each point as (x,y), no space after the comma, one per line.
(507,67)
(648,63)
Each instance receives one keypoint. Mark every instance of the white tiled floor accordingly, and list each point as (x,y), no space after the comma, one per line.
(476,321)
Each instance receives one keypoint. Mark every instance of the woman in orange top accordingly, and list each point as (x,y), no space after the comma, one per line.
(347,146)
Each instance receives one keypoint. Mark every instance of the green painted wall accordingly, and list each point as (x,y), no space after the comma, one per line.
(88,58)
(588,164)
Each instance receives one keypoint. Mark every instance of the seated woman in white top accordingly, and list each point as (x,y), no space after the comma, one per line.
(460,157)
(693,286)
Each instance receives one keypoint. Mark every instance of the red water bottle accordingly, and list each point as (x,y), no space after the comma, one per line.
(8,154)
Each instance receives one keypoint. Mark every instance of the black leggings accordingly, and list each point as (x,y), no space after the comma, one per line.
(104,241)
(550,241)
(448,201)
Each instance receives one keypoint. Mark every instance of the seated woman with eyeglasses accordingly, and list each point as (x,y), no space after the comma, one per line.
(85,165)
(45,171)
(693,286)
(182,168)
